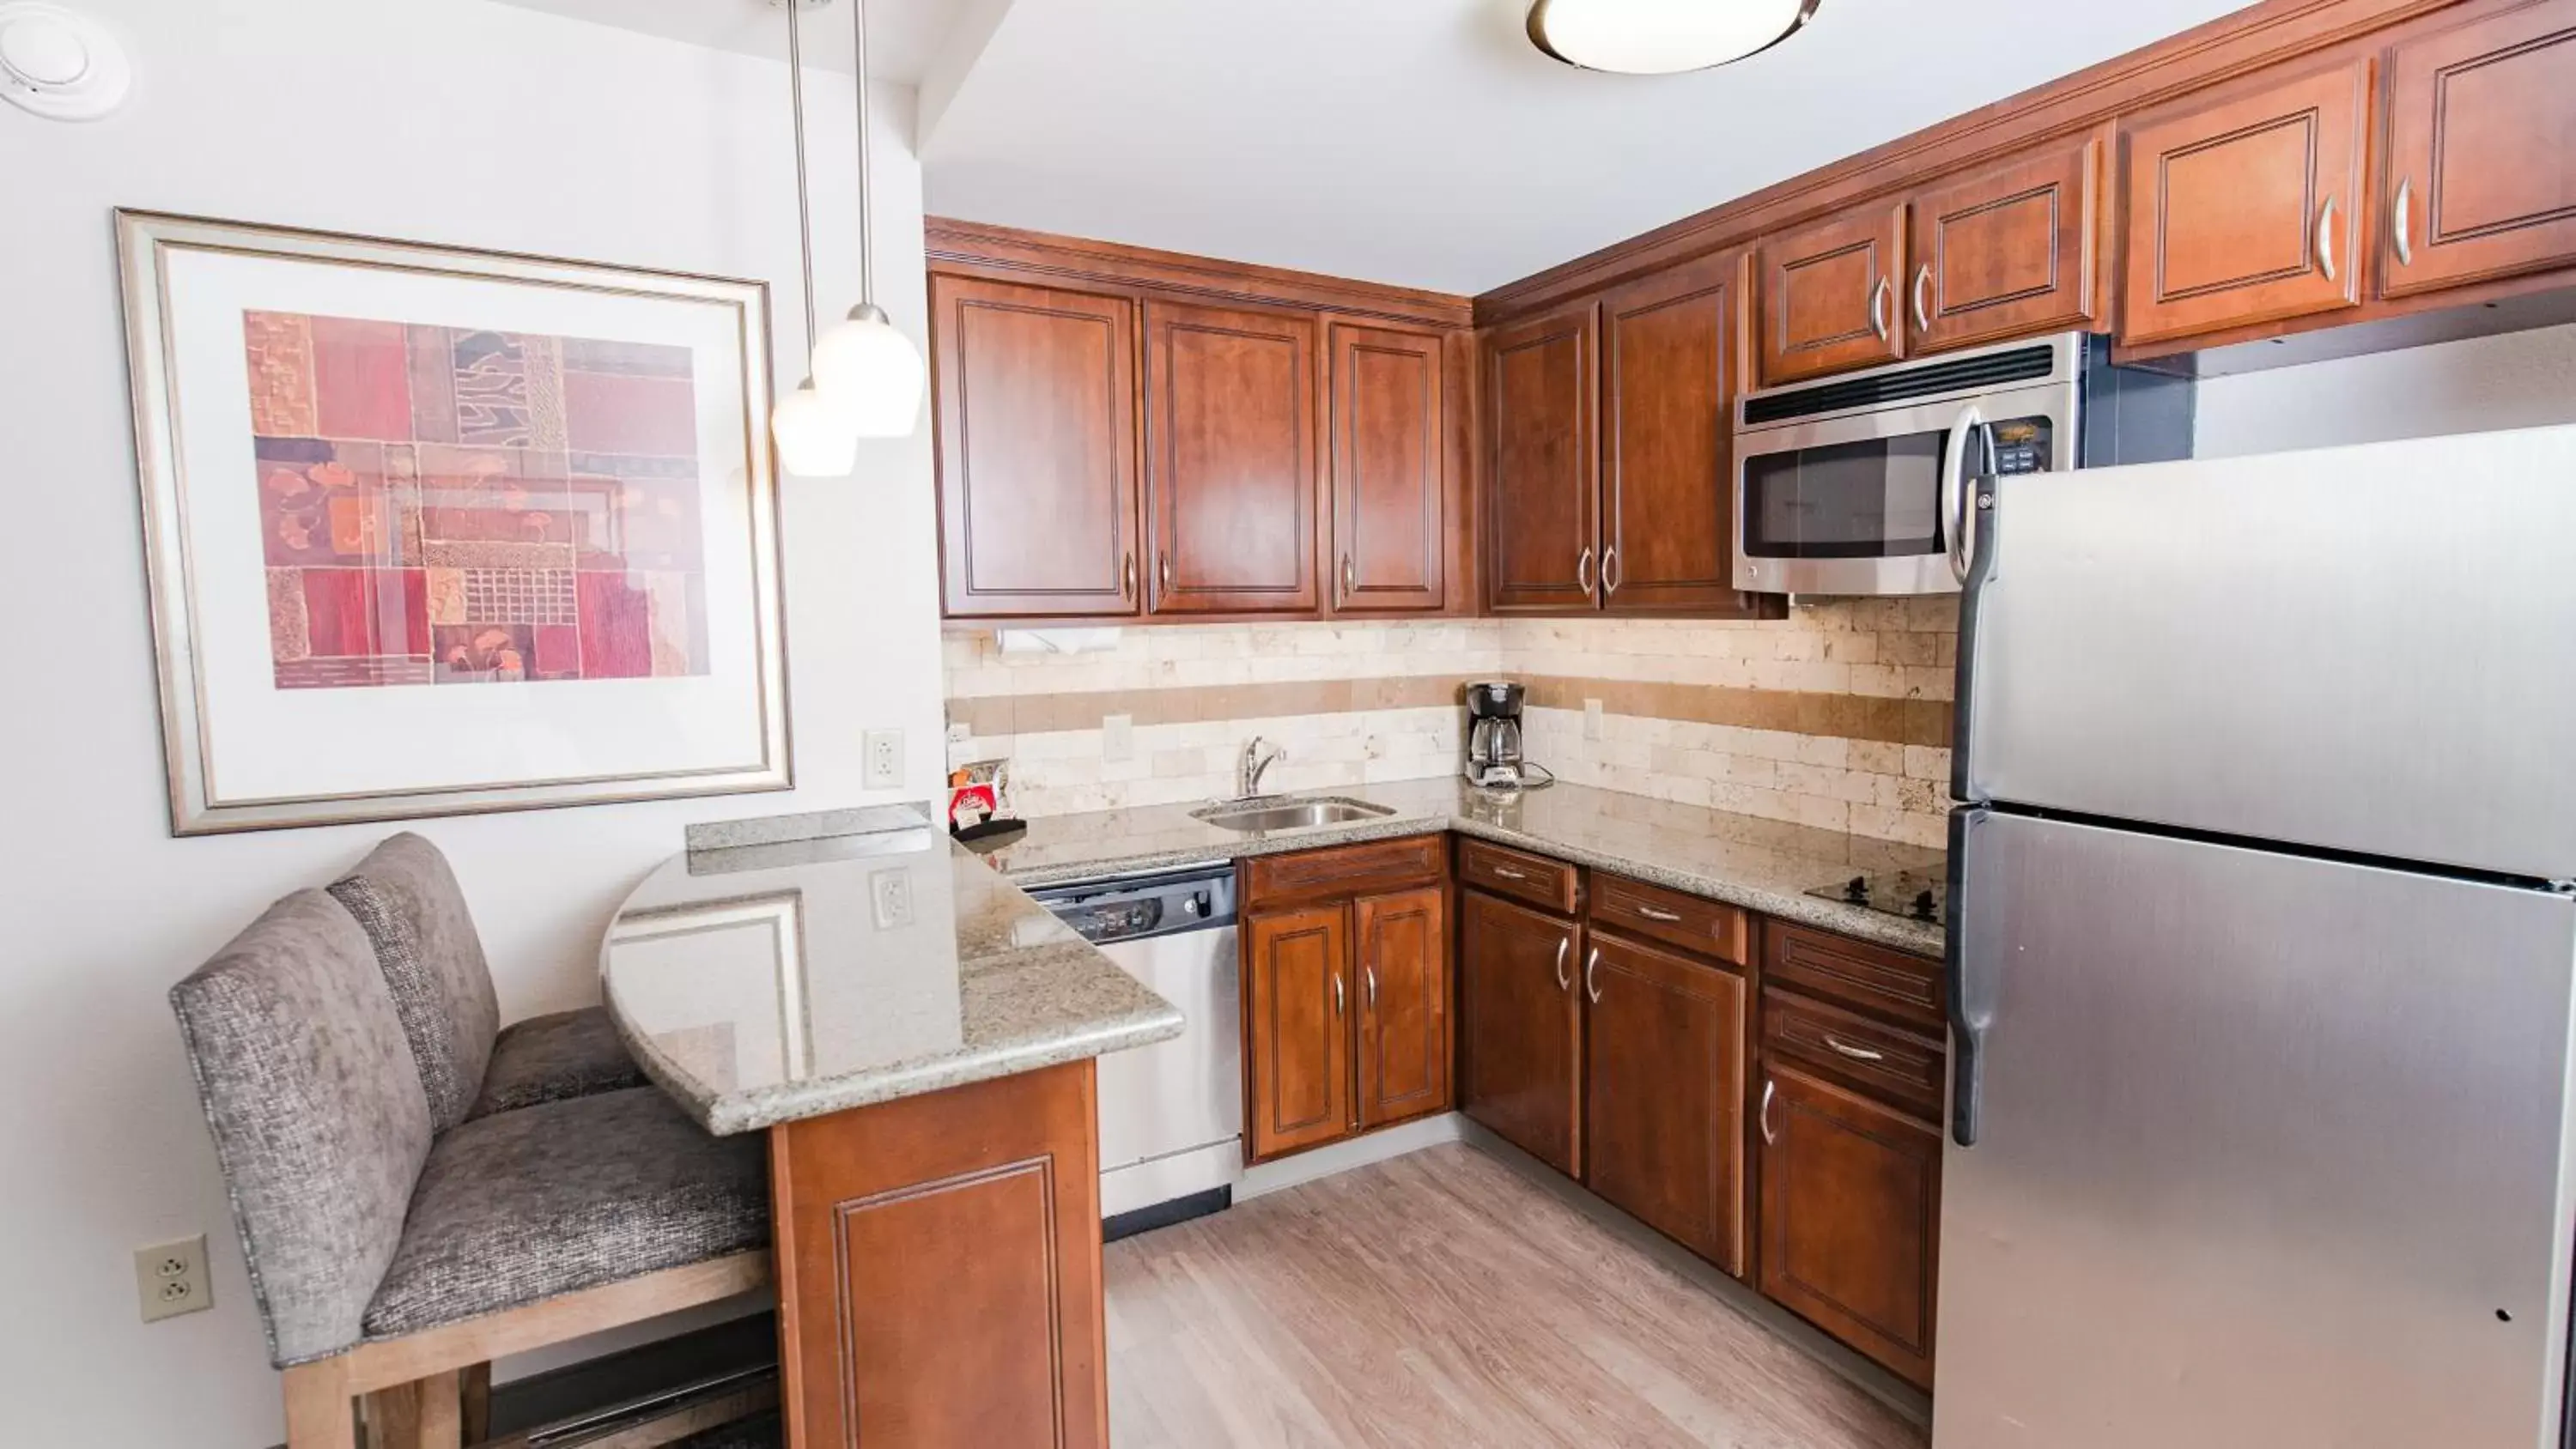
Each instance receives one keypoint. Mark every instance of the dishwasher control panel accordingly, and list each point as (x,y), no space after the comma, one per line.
(1141,907)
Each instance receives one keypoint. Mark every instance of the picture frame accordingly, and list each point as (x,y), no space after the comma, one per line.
(432,530)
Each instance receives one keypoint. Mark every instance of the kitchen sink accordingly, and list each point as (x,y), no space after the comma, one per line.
(1253,816)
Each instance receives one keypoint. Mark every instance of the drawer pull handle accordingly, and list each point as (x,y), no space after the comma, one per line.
(1564,946)
(1653,913)
(1507,873)
(1858,1054)
(1770,1089)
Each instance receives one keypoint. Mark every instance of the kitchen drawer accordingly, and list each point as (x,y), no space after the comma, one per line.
(1867,978)
(1548,884)
(1343,870)
(1699,926)
(1899,1068)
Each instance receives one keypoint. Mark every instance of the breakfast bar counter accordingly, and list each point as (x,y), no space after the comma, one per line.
(916,1036)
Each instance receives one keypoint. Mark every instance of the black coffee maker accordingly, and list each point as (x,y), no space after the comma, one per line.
(1494,735)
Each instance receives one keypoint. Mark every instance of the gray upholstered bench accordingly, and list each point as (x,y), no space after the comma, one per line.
(394,1256)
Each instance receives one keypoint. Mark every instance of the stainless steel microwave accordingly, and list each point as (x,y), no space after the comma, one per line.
(1858,484)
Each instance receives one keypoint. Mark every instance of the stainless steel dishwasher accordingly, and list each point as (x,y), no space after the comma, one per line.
(1171,1114)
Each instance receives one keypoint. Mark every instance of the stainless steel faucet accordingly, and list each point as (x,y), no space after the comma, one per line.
(1258,755)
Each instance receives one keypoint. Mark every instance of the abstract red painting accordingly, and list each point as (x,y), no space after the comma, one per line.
(447,506)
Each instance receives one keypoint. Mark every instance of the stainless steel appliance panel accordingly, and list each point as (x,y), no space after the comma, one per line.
(2270,1151)
(2362,648)
(1188,1092)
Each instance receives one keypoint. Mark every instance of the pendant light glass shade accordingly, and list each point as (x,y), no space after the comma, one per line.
(1662,37)
(870,373)
(814,439)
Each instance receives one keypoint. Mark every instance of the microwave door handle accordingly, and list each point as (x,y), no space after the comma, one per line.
(1954,489)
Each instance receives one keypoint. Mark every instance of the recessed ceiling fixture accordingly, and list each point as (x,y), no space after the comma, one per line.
(1662,37)
(59,64)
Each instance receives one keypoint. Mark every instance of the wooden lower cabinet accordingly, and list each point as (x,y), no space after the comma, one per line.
(1521,1027)
(1663,1093)
(1851,1217)
(1296,1012)
(1402,945)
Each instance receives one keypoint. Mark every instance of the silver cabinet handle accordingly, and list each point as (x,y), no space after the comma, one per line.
(1127,577)
(1954,488)
(1591,974)
(1507,873)
(2406,222)
(1770,1089)
(2325,239)
(1878,306)
(1368,985)
(1337,993)
(1583,570)
(1163,566)
(1350,578)
(1922,304)
(1564,946)
(1610,570)
(1858,1054)
(1653,914)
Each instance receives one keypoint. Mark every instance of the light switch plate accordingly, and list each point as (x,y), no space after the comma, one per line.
(170,1278)
(885,759)
(1592,719)
(1117,738)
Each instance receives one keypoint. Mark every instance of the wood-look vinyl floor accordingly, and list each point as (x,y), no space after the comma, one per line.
(1442,1299)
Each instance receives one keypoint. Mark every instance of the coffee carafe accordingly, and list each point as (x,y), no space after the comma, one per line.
(1494,735)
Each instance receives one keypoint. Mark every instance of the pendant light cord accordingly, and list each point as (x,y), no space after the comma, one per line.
(867,203)
(804,206)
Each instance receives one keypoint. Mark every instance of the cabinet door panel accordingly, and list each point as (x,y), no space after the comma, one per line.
(2008,253)
(2245,211)
(1667,486)
(1230,474)
(1829,299)
(1663,1094)
(1521,1027)
(1036,415)
(1542,525)
(1851,1218)
(1403,948)
(1296,1008)
(1390,472)
(2482,132)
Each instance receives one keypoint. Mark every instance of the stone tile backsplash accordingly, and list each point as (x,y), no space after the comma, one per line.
(1835,717)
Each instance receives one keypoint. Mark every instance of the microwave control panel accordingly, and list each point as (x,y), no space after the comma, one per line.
(2022,445)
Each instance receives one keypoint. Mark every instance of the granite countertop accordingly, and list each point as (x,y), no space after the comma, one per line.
(767,983)
(1761,865)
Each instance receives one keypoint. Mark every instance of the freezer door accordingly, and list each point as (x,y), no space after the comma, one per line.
(2362,649)
(2270,1152)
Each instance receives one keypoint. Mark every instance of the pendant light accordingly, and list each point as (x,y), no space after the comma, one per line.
(868,371)
(1662,37)
(815,439)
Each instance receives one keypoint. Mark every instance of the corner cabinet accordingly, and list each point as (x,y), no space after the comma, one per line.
(1346,991)
(1035,398)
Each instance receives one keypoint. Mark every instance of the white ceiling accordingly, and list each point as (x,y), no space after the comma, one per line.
(1421,142)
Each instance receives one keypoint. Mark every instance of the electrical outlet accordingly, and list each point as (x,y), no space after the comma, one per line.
(1592,719)
(1117,738)
(961,734)
(890,896)
(885,759)
(170,1278)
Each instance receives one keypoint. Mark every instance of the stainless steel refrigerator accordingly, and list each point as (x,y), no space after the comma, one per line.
(2261,946)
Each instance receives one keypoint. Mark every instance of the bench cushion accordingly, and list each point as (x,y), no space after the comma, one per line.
(521,1206)
(407,899)
(549,1058)
(318,1116)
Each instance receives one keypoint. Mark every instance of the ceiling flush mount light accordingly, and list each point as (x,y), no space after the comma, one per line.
(1662,37)
(60,64)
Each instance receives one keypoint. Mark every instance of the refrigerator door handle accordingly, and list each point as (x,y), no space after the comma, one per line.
(1985,501)
(1971,994)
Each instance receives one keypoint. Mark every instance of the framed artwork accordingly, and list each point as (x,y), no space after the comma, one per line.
(433,531)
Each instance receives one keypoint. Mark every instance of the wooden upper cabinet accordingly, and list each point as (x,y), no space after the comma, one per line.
(1402,944)
(1521,1027)
(1668,348)
(2245,210)
(2482,149)
(2009,252)
(1829,295)
(1663,1094)
(1230,474)
(1036,411)
(1542,468)
(1391,529)
(1296,1021)
(1851,1218)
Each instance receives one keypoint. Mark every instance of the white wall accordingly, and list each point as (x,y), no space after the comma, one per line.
(445,120)
(2482,384)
